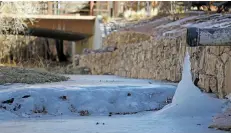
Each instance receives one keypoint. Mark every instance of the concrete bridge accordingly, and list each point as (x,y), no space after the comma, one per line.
(64,27)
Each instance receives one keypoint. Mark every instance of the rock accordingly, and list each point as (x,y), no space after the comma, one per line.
(111,48)
(40,110)
(213,50)
(224,57)
(84,113)
(108,73)
(227,86)
(202,60)
(26,96)
(168,100)
(17,107)
(204,82)
(222,121)
(102,50)
(129,94)
(63,98)
(220,78)
(9,101)
(86,51)
(210,64)
(72,108)
(143,73)
(213,84)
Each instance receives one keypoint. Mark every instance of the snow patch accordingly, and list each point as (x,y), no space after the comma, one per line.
(72,97)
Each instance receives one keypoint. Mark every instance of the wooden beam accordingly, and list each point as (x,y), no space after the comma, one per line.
(208,36)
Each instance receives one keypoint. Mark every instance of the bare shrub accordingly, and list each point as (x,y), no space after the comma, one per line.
(13,15)
(13,20)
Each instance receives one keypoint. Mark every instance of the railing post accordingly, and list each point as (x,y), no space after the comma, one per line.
(50,7)
(91,7)
(115,8)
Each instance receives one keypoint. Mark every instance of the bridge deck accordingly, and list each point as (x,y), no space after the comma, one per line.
(62,25)
(63,17)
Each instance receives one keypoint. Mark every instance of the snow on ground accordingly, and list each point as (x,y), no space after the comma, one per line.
(190,112)
(99,95)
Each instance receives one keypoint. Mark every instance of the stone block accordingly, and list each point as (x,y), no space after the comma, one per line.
(224,57)
(204,82)
(210,64)
(227,77)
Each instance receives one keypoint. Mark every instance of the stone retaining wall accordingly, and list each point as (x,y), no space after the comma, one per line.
(162,59)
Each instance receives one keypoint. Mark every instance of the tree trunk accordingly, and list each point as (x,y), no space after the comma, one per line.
(59,49)
(48,53)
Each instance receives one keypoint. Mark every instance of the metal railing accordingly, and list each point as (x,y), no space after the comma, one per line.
(92,8)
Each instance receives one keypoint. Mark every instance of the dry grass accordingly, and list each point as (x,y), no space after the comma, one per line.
(125,37)
(40,64)
(18,8)
(10,25)
(29,76)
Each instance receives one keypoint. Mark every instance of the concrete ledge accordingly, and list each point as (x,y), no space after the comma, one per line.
(208,36)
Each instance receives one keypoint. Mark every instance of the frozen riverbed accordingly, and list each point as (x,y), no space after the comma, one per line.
(177,117)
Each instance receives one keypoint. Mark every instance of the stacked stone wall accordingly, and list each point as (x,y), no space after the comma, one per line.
(162,59)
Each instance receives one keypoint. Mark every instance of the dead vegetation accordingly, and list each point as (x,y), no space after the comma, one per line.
(10,25)
(84,113)
(125,37)
(38,110)
(29,76)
